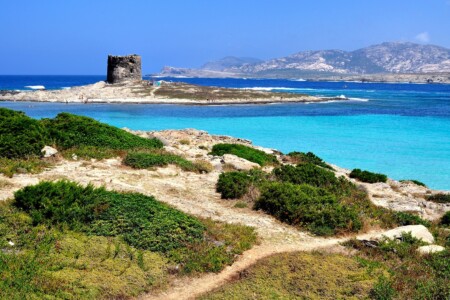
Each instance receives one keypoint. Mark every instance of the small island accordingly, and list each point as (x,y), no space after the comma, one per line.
(124,84)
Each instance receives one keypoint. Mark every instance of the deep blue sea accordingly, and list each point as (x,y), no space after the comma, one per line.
(402,130)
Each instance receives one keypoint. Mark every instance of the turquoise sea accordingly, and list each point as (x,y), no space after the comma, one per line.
(402,130)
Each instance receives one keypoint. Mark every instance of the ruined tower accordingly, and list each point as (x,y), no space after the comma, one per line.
(124,68)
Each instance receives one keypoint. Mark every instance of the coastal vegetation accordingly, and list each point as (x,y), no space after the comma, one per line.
(303,275)
(145,160)
(310,197)
(61,239)
(245,152)
(412,275)
(68,131)
(366,176)
(439,198)
(309,157)
(414,181)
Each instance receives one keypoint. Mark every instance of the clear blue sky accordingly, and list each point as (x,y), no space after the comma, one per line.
(75,36)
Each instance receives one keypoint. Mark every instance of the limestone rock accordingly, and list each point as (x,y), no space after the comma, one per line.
(239,163)
(417,231)
(48,151)
(430,249)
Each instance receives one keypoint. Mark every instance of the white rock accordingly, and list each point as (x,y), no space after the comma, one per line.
(430,249)
(239,163)
(417,231)
(74,156)
(48,151)
(11,243)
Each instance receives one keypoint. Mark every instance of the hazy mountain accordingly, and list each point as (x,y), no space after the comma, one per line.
(229,62)
(392,57)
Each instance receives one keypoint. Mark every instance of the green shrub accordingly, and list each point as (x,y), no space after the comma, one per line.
(233,185)
(9,167)
(306,174)
(309,157)
(140,220)
(307,206)
(20,136)
(404,218)
(366,176)
(414,181)
(445,220)
(439,198)
(246,152)
(383,289)
(68,131)
(145,160)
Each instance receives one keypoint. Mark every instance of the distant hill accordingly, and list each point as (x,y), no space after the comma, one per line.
(385,58)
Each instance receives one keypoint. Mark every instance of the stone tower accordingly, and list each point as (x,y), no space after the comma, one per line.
(124,68)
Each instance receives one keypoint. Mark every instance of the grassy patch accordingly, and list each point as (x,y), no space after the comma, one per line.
(366,176)
(405,218)
(414,181)
(68,131)
(413,276)
(309,157)
(245,152)
(301,276)
(88,152)
(439,198)
(32,165)
(145,160)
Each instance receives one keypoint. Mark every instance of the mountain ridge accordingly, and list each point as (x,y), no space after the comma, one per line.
(384,58)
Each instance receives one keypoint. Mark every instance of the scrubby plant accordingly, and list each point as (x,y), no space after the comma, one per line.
(67,131)
(439,198)
(145,160)
(445,220)
(306,174)
(233,185)
(405,218)
(414,181)
(309,157)
(308,206)
(366,176)
(20,135)
(246,152)
(140,220)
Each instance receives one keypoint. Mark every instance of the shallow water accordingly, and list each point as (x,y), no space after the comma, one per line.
(402,130)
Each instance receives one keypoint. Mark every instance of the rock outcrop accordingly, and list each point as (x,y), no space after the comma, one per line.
(124,68)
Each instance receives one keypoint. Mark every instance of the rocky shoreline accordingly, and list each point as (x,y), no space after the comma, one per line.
(142,92)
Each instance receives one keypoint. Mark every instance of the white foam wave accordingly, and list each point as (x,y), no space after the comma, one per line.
(66,87)
(35,87)
(261,88)
(358,99)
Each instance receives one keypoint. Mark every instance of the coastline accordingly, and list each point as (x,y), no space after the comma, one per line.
(140,92)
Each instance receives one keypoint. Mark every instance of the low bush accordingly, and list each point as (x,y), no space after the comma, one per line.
(145,160)
(140,220)
(306,174)
(20,136)
(366,176)
(246,152)
(68,131)
(307,206)
(445,220)
(414,181)
(309,157)
(233,185)
(439,198)
(412,275)
(404,218)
